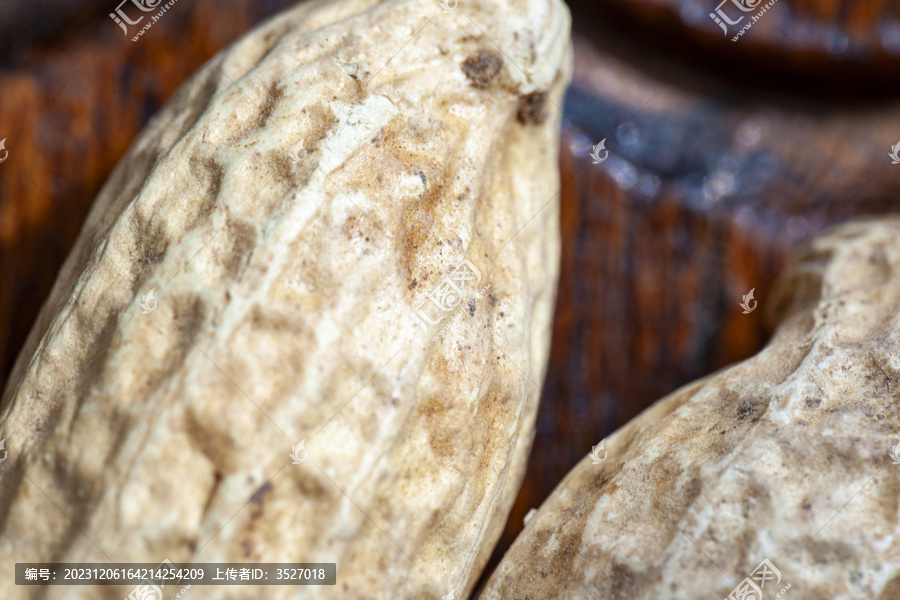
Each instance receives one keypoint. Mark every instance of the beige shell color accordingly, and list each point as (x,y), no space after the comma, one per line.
(340,167)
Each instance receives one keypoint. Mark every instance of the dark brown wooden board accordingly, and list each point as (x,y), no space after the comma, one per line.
(839,46)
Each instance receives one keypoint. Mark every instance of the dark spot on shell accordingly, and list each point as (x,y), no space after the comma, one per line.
(241,240)
(261,493)
(471,307)
(210,174)
(217,481)
(274,95)
(532,108)
(813,402)
(752,408)
(310,487)
(424,179)
(493,299)
(151,241)
(413,285)
(255,514)
(622,580)
(282,165)
(482,67)
(188,313)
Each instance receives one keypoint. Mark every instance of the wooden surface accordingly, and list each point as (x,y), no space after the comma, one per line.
(841,47)
(714,180)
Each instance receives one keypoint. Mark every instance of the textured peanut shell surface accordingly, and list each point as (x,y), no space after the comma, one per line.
(292,208)
(784,457)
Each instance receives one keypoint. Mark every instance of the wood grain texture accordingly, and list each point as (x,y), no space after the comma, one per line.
(25,24)
(839,46)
